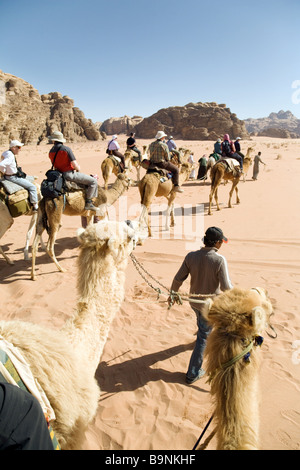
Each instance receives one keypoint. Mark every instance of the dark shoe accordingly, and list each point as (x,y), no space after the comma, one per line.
(200,374)
(89,206)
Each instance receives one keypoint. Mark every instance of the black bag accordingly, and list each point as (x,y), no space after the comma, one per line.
(20,173)
(53,186)
(226,149)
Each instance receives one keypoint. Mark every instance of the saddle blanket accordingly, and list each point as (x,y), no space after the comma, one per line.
(12,188)
(231,162)
(116,160)
(16,371)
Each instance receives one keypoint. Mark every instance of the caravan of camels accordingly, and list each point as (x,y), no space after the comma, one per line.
(84,326)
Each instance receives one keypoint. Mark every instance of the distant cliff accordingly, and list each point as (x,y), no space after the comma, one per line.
(194,121)
(282,124)
(30,118)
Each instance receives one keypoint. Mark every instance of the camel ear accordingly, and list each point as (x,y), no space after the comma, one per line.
(258,319)
(206,308)
(80,231)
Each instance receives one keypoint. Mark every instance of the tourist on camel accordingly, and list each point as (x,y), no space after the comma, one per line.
(228,151)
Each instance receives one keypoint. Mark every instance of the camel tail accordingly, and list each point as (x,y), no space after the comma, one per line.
(213,175)
(43,219)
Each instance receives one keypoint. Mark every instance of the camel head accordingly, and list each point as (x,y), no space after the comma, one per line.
(108,238)
(126,181)
(240,312)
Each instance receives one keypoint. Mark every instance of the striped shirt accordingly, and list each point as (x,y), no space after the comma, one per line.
(208,270)
(159,152)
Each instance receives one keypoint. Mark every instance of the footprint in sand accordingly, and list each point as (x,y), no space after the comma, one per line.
(292,415)
(279,372)
(285,439)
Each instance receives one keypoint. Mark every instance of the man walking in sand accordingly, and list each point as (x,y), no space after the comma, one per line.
(209,275)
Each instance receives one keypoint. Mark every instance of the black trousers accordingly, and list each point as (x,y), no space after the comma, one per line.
(22,422)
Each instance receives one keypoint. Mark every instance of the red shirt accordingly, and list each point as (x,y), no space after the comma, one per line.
(63,159)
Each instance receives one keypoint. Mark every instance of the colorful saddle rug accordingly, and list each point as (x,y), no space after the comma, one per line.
(9,374)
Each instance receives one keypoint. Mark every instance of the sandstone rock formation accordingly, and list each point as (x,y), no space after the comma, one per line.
(121,125)
(282,124)
(30,118)
(194,121)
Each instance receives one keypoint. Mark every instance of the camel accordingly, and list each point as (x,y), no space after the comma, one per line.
(108,167)
(51,211)
(6,221)
(64,361)
(238,318)
(133,161)
(220,172)
(151,186)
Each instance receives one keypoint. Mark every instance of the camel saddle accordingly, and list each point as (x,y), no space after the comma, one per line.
(116,160)
(231,165)
(161,173)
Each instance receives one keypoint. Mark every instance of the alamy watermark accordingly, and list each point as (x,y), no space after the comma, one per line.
(189,220)
(296,94)
(2,92)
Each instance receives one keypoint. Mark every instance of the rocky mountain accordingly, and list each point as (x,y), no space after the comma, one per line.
(121,125)
(282,124)
(194,121)
(30,117)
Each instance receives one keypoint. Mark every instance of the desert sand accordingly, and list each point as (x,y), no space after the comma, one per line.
(145,402)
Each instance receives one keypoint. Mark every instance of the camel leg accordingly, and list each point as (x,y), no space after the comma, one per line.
(9,261)
(211,194)
(146,218)
(217,199)
(32,224)
(50,249)
(237,194)
(234,187)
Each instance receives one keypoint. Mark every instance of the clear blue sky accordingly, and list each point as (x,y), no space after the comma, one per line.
(134,57)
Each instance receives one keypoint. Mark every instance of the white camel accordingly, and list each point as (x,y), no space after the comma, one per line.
(64,362)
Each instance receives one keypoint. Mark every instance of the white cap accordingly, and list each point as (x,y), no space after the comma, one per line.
(160,135)
(15,143)
(114,137)
(238,138)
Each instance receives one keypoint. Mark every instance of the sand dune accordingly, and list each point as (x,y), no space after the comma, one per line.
(145,403)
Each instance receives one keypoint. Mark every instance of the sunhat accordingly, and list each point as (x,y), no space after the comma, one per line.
(57,137)
(160,135)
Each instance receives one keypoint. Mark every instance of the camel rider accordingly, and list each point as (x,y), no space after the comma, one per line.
(9,167)
(160,157)
(172,148)
(113,149)
(131,145)
(66,163)
(228,150)
(238,147)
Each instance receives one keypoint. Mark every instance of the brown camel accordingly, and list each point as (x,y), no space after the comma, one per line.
(219,172)
(109,167)
(151,186)
(133,161)
(51,211)
(238,318)
(63,362)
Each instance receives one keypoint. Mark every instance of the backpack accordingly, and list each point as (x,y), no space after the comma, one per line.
(226,148)
(53,186)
